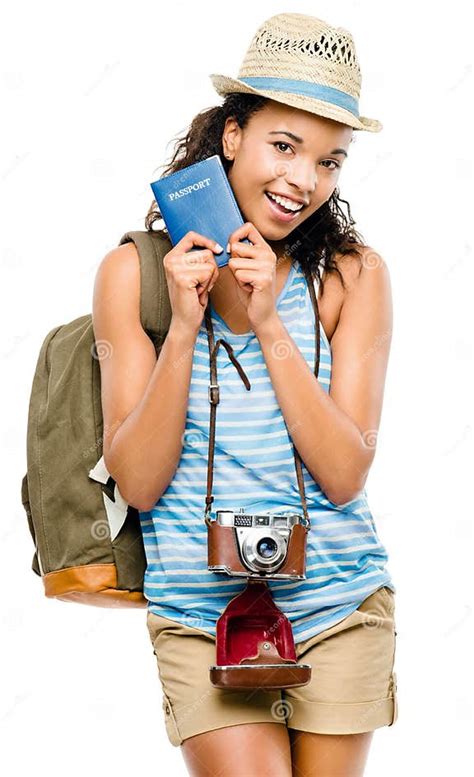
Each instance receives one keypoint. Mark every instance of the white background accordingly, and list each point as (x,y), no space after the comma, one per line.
(92,95)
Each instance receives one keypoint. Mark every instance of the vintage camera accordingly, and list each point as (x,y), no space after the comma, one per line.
(261,545)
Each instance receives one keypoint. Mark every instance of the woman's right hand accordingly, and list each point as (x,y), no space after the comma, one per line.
(190,276)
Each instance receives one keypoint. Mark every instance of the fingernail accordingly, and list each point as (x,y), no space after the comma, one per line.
(228,248)
(218,248)
(211,287)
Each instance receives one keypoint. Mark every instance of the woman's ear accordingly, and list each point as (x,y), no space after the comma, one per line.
(230,137)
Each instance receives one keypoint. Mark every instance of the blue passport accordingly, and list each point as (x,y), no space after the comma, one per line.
(199,198)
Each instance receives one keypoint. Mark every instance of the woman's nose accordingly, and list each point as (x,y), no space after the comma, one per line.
(303,179)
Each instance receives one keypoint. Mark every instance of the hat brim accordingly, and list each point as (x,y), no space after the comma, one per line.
(224,84)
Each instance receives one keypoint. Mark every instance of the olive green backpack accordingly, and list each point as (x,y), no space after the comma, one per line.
(88,541)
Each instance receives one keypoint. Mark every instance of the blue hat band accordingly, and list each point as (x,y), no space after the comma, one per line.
(307,88)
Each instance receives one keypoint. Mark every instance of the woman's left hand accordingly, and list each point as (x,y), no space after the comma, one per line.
(254,268)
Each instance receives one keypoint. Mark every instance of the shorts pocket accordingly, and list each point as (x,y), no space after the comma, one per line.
(389,598)
(170,722)
(380,603)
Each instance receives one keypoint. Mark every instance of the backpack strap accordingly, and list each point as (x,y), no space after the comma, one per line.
(155,306)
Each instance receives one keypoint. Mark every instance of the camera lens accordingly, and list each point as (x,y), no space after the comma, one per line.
(266,547)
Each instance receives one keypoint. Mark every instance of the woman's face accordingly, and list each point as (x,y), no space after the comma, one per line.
(304,166)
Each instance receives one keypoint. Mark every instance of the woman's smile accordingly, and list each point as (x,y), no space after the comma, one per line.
(278,212)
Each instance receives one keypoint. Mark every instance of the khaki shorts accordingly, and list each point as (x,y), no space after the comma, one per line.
(352,688)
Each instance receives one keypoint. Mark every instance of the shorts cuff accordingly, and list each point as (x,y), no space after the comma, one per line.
(321,718)
(226,708)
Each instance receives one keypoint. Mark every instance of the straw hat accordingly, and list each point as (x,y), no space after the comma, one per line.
(306,63)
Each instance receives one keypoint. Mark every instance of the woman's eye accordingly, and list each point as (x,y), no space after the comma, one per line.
(333,162)
(281,143)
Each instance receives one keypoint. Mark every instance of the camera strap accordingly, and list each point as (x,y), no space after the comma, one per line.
(213,394)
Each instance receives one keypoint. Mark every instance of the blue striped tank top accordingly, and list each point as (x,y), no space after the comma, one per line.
(254,468)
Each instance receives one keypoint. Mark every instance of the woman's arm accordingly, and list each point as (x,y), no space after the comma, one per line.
(144,400)
(335,434)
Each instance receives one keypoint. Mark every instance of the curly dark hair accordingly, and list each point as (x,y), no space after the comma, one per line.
(320,237)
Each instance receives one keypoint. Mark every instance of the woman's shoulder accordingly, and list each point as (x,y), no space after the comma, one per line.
(361,268)
(353,264)
(116,294)
(119,272)
(121,259)
(354,267)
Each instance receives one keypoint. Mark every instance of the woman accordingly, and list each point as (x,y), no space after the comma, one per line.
(283,134)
